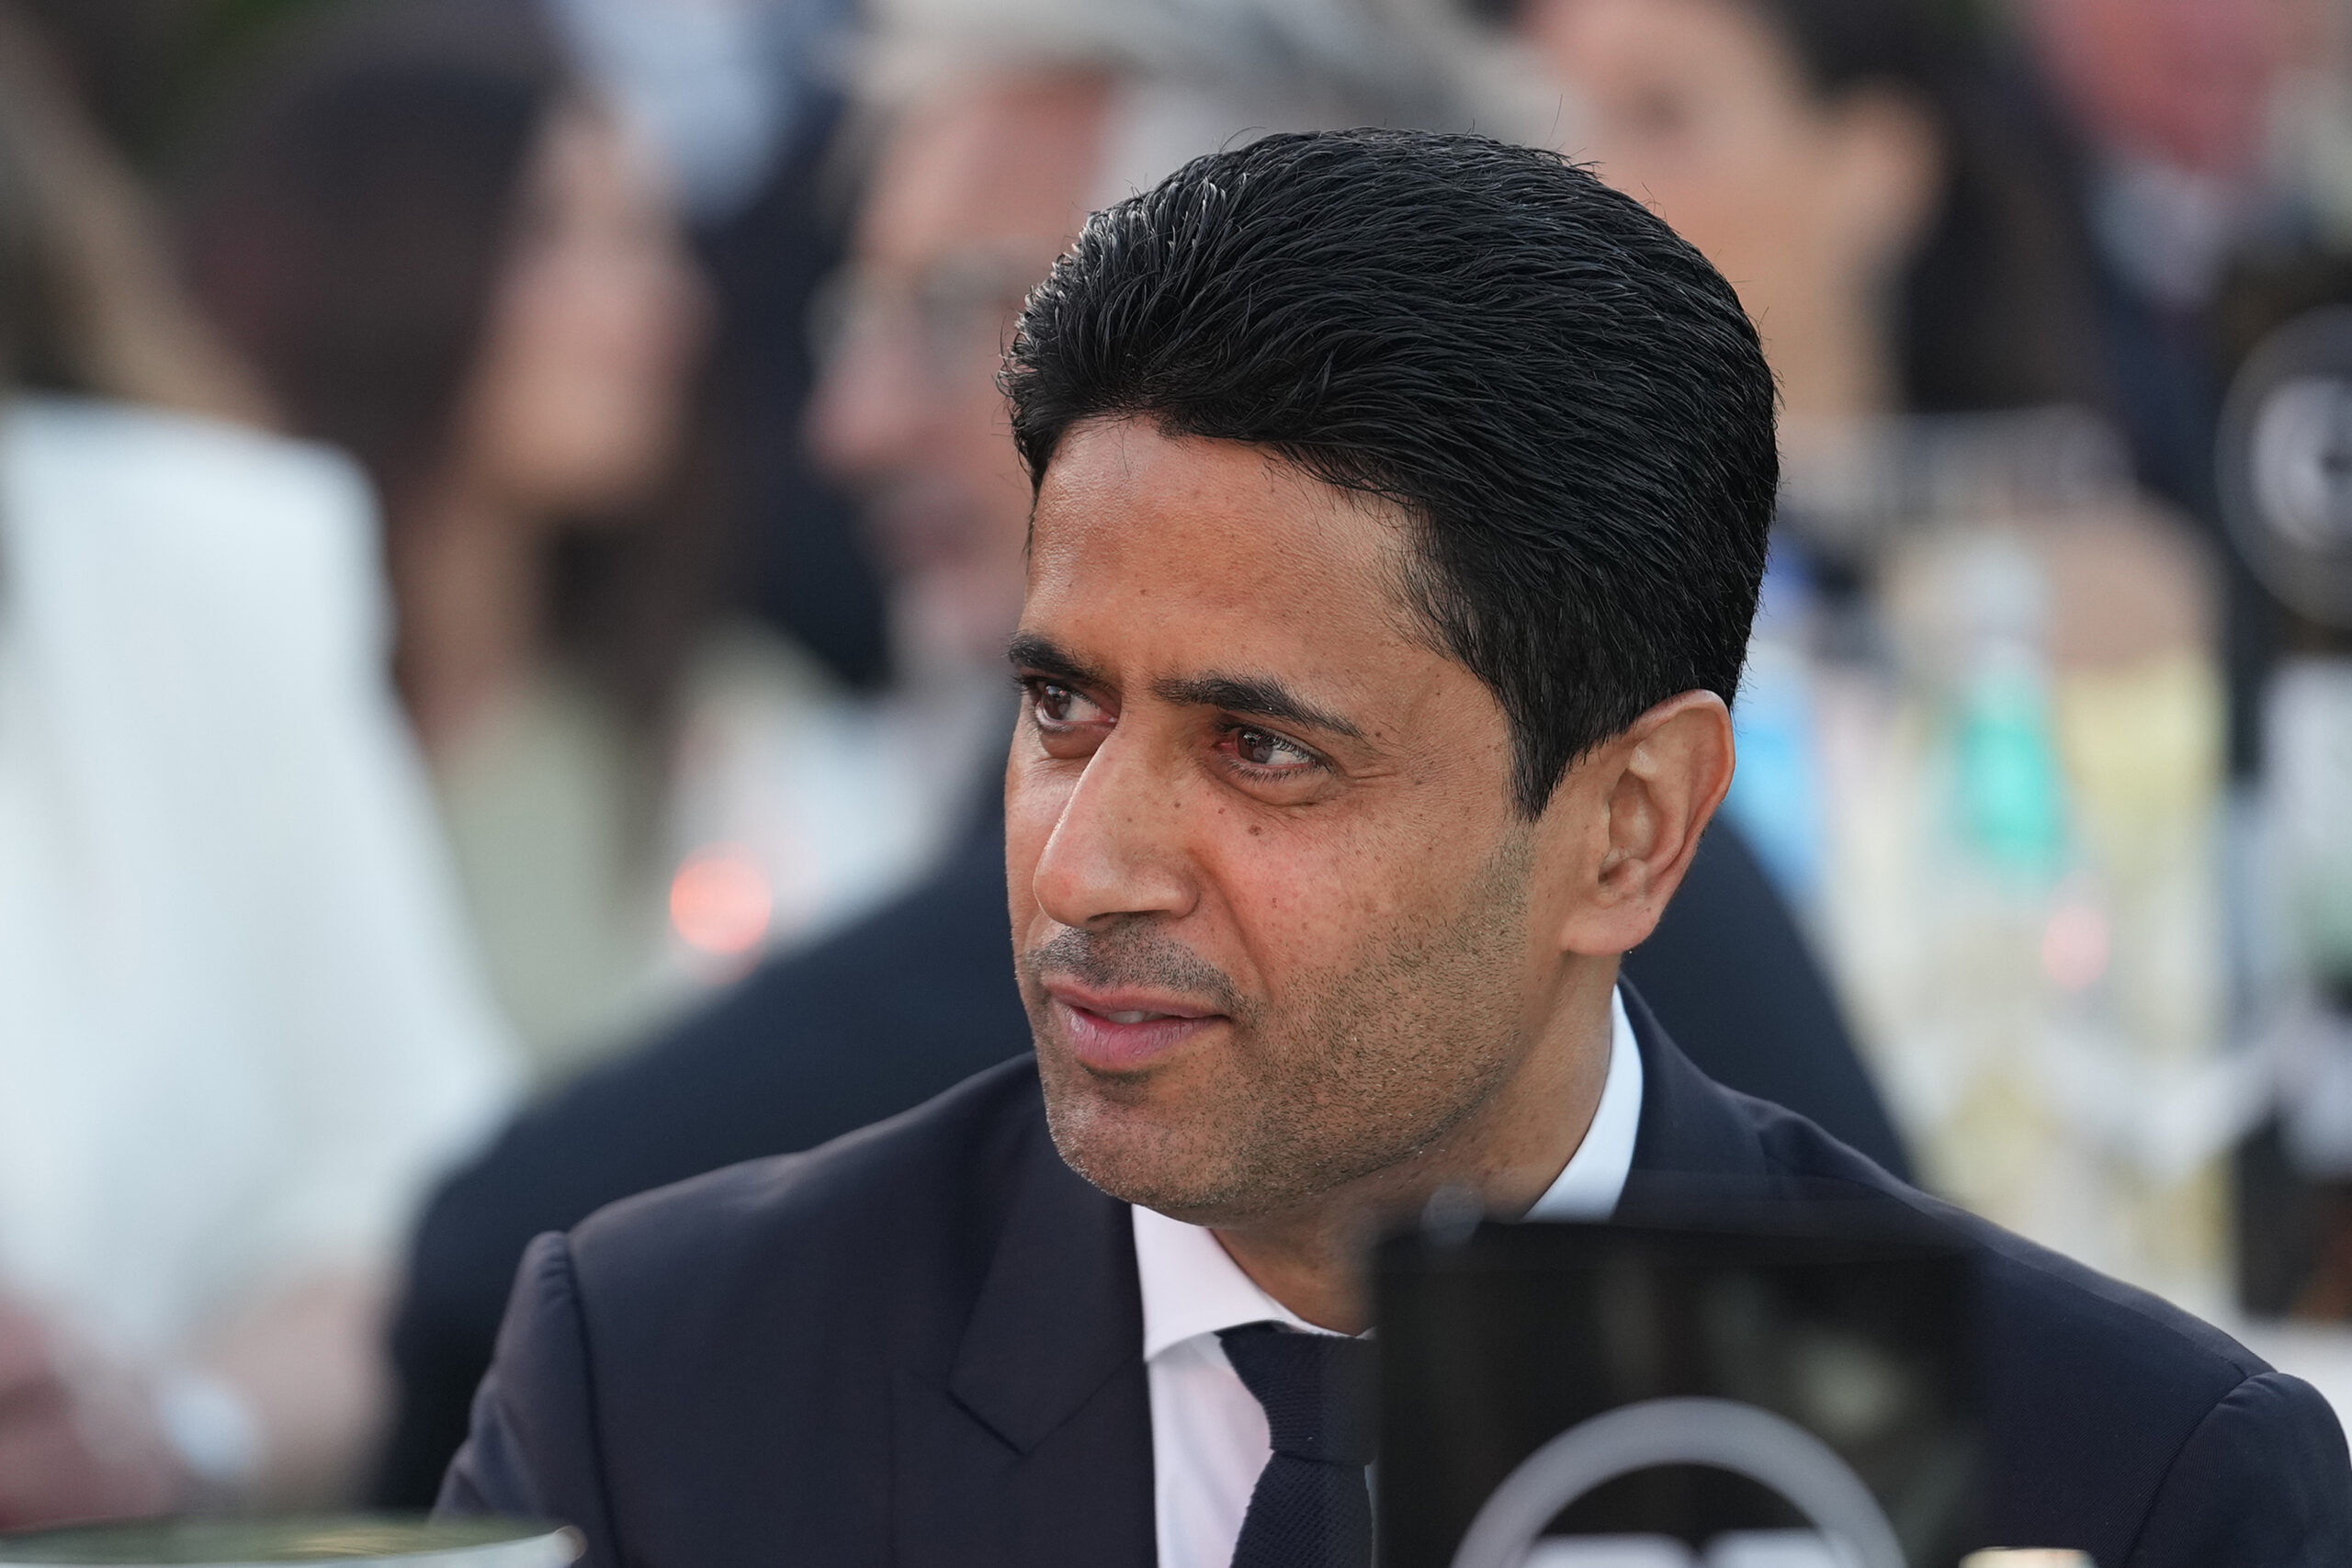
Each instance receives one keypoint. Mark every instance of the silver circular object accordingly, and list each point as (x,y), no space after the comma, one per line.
(2284,464)
(1718,1433)
(342,1538)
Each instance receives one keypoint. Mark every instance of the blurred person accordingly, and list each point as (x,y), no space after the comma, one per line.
(1843,162)
(2166,120)
(740,98)
(1319,917)
(449,257)
(1982,740)
(998,127)
(2164,111)
(238,1025)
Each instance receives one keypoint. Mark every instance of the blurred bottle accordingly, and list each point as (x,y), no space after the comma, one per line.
(2044,925)
(1776,795)
(1971,605)
(2007,794)
(2310,786)
(2307,791)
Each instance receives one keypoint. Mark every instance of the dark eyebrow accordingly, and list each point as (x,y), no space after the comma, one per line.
(1030,650)
(1259,697)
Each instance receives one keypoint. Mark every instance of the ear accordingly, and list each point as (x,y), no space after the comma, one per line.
(1886,173)
(1629,818)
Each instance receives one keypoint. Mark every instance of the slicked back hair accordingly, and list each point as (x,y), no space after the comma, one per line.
(1562,395)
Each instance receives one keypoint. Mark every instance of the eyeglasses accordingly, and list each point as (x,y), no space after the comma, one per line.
(949,313)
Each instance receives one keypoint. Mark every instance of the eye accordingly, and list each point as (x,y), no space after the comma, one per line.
(1058,706)
(1264,750)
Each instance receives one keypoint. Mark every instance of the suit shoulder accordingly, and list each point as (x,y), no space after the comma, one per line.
(2128,1331)
(932,1170)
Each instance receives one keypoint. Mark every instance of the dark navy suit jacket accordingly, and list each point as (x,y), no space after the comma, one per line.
(922,1344)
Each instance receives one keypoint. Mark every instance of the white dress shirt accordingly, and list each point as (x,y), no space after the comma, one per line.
(1208,1432)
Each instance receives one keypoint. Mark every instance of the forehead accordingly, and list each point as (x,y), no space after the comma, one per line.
(989,163)
(1186,553)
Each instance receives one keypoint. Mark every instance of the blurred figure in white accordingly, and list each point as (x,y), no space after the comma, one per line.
(449,257)
(1981,734)
(238,1028)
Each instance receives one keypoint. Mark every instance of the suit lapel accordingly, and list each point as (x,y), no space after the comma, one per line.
(1039,1448)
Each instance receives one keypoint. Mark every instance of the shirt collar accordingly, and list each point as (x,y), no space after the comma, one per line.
(1192,1286)
(1588,1188)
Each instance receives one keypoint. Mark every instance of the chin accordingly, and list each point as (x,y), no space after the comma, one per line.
(1131,1150)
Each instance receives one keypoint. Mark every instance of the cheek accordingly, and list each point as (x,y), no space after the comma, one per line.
(1308,900)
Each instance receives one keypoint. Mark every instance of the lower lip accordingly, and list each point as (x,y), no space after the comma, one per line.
(1103,1045)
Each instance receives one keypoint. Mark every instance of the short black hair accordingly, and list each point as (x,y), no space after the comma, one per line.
(1560,392)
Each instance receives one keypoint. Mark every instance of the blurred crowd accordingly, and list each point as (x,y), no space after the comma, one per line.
(508,529)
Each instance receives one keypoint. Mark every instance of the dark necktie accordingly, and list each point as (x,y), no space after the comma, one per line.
(1310,1508)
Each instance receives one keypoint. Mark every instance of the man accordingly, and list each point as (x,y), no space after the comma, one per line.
(982,181)
(1400,504)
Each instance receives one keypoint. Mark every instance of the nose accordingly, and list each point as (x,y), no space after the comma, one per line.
(1118,844)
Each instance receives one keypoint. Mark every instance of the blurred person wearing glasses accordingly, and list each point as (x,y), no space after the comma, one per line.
(451,257)
(993,130)
(238,1026)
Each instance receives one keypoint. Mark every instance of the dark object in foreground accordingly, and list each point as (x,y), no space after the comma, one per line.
(918,997)
(1848,1359)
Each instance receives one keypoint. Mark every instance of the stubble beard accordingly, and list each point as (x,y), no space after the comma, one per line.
(1356,1069)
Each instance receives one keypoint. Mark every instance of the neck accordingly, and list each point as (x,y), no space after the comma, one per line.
(470,615)
(1504,1155)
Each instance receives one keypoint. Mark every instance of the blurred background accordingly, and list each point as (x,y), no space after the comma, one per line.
(506,534)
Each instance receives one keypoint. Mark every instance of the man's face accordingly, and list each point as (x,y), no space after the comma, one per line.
(1276,914)
(977,193)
